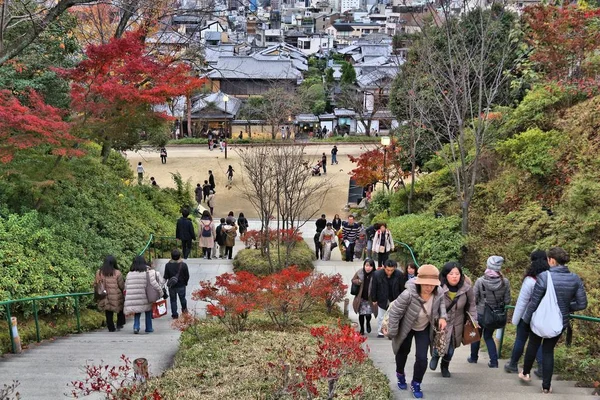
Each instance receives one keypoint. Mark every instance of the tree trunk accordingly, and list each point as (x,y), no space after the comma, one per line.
(189,116)
(105,152)
(413,167)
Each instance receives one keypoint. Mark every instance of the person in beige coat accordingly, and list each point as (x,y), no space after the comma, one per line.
(413,314)
(361,303)
(112,280)
(459,298)
(383,245)
(206,237)
(136,301)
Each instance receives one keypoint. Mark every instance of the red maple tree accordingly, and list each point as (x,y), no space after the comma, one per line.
(31,123)
(114,90)
(565,42)
(379,165)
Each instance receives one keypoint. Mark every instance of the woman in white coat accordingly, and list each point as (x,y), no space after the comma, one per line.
(383,245)
(136,301)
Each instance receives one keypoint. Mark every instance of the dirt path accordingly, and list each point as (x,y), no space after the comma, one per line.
(193,164)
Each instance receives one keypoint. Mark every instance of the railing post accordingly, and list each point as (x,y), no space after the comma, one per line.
(10,330)
(77,314)
(37,322)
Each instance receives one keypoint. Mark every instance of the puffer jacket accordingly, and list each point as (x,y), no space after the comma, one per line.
(389,241)
(231,231)
(498,287)
(456,315)
(404,311)
(569,289)
(206,241)
(523,299)
(359,278)
(114,286)
(135,291)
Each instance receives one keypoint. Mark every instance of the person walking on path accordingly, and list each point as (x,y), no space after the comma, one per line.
(163,155)
(336,222)
(206,190)
(112,280)
(460,299)
(570,296)
(206,237)
(220,238)
(349,235)
(360,245)
(140,172)
(539,264)
(210,202)
(383,244)
(324,163)
(327,241)
(334,152)
(230,234)
(211,179)
(185,232)
(229,174)
(198,192)
(136,301)
(176,268)
(387,285)
(411,272)
(230,219)
(361,303)
(370,231)
(412,315)
(491,290)
(321,223)
(242,223)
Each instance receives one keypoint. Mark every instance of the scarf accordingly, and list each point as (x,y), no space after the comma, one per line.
(492,274)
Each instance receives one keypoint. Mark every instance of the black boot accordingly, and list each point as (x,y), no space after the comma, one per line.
(368,323)
(511,367)
(433,363)
(361,321)
(444,366)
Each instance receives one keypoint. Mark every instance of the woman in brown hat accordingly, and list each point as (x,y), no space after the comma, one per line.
(413,314)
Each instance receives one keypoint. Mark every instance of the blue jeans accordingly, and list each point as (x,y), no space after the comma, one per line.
(333,159)
(523,333)
(450,352)
(173,293)
(136,321)
(487,335)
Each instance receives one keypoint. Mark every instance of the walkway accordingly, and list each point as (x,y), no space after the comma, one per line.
(45,370)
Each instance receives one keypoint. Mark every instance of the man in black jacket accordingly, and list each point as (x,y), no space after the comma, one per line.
(321,224)
(185,232)
(211,180)
(176,268)
(387,285)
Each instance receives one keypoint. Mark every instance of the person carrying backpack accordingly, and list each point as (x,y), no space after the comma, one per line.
(220,238)
(206,237)
(230,234)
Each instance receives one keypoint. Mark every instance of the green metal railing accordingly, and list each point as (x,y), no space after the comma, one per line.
(162,246)
(35,301)
(410,250)
(571,316)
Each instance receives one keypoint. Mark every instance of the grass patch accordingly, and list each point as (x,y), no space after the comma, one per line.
(50,326)
(251,260)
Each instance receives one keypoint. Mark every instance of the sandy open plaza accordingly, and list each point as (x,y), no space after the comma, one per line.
(194,162)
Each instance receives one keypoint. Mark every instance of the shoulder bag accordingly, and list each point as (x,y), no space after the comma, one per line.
(99,288)
(470,331)
(151,293)
(174,280)
(547,320)
(440,339)
(493,317)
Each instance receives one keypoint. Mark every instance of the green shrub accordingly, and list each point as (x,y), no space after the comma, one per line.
(583,194)
(251,260)
(533,151)
(434,240)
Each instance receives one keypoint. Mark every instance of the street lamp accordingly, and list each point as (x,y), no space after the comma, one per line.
(385,142)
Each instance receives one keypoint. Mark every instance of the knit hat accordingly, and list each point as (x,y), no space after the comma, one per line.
(428,275)
(495,263)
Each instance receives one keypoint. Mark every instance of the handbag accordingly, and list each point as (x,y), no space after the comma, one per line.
(99,289)
(470,331)
(151,294)
(354,289)
(493,317)
(333,246)
(440,337)
(159,308)
(547,320)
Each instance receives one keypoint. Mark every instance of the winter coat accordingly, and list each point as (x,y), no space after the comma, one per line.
(405,310)
(206,241)
(135,291)
(243,224)
(321,224)
(220,238)
(380,288)
(523,299)
(389,242)
(499,287)
(114,286)
(199,193)
(185,229)
(231,234)
(211,181)
(570,293)
(171,269)
(336,223)
(358,279)
(456,315)
(210,200)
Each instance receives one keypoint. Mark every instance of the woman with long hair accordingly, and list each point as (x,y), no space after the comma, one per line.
(111,278)
(539,264)
(383,244)
(206,237)
(459,298)
(361,303)
(136,301)
(336,222)
(242,223)
(412,315)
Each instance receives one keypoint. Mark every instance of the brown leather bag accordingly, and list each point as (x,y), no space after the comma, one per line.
(470,331)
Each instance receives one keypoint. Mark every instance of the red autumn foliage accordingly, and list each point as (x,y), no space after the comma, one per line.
(256,238)
(565,41)
(30,123)
(370,166)
(330,288)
